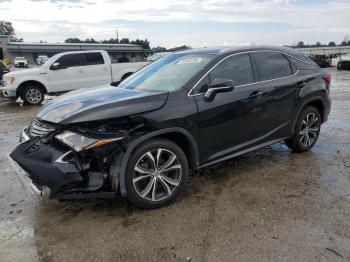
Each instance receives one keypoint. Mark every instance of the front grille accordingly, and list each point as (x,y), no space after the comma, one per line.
(38,128)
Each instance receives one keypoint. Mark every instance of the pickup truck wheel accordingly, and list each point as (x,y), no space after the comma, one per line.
(307,129)
(32,95)
(339,66)
(156,173)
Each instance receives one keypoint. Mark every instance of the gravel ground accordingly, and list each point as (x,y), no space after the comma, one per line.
(266,205)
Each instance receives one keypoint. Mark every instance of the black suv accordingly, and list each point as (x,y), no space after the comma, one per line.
(183,112)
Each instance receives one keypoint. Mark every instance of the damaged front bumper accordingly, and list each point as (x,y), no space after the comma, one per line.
(45,162)
(26,183)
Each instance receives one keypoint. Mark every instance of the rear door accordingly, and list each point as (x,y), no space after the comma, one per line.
(69,75)
(97,71)
(231,121)
(279,88)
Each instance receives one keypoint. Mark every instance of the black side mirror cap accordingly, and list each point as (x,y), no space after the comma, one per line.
(218,85)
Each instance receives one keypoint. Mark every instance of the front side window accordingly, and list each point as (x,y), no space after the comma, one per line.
(237,68)
(272,65)
(70,60)
(93,58)
(167,74)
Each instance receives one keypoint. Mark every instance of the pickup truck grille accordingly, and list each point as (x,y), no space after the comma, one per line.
(38,128)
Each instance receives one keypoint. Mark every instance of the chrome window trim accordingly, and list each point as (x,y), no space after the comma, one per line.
(258,82)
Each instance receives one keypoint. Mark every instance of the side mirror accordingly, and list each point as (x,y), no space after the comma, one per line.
(218,85)
(55,66)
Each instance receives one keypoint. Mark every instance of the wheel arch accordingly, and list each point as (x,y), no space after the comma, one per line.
(126,75)
(177,135)
(30,82)
(317,102)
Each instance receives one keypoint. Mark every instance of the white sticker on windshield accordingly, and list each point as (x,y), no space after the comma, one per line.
(190,60)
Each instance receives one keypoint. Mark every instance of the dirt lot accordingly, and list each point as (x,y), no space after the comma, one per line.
(266,205)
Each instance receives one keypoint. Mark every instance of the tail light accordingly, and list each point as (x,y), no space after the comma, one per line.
(327,78)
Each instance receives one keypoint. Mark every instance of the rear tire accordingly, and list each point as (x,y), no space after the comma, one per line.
(156,173)
(32,95)
(306,131)
(340,66)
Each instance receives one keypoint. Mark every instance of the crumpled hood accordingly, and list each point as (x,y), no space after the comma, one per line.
(31,71)
(98,103)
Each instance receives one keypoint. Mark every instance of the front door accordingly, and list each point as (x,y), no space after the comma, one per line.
(231,120)
(69,75)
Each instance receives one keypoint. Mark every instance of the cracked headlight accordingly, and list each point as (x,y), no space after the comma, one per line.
(79,142)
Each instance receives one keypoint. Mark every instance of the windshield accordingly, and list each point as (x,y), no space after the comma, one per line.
(167,74)
(20,58)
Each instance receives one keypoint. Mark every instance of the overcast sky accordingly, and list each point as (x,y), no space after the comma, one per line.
(196,23)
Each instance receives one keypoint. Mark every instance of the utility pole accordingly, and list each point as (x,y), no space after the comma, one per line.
(117,35)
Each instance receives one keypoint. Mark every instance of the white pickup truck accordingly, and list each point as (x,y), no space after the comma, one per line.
(64,72)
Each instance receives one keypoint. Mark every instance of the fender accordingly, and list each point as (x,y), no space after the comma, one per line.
(304,103)
(33,81)
(125,158)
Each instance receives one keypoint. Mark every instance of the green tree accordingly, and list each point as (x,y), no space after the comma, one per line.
(90,41)
(6,28)
(125,41)
(111,41)
(144,43)
(331,44)
(72,40)
(300,44)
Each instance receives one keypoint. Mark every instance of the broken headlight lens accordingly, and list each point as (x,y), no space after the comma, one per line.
(75,141)
(79,142)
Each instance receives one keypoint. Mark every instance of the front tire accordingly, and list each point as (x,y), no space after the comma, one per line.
(32,95)
(306,131)
(156,173)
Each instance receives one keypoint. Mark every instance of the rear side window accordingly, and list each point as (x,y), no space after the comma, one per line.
(238,68)
(272,65)
(70,60)
(303,65)
(93,58)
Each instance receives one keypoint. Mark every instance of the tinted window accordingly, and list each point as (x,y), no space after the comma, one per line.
(70,60)
(303,65)
(272,65)
(123,60)
(238,68)
(1,65)
(94,58)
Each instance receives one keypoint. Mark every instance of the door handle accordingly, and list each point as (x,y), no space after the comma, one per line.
(255,93)
(80,71)
(301,84)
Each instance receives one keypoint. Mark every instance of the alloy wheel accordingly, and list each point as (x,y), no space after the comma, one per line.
(309,129)
(157,174)
(33,96)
